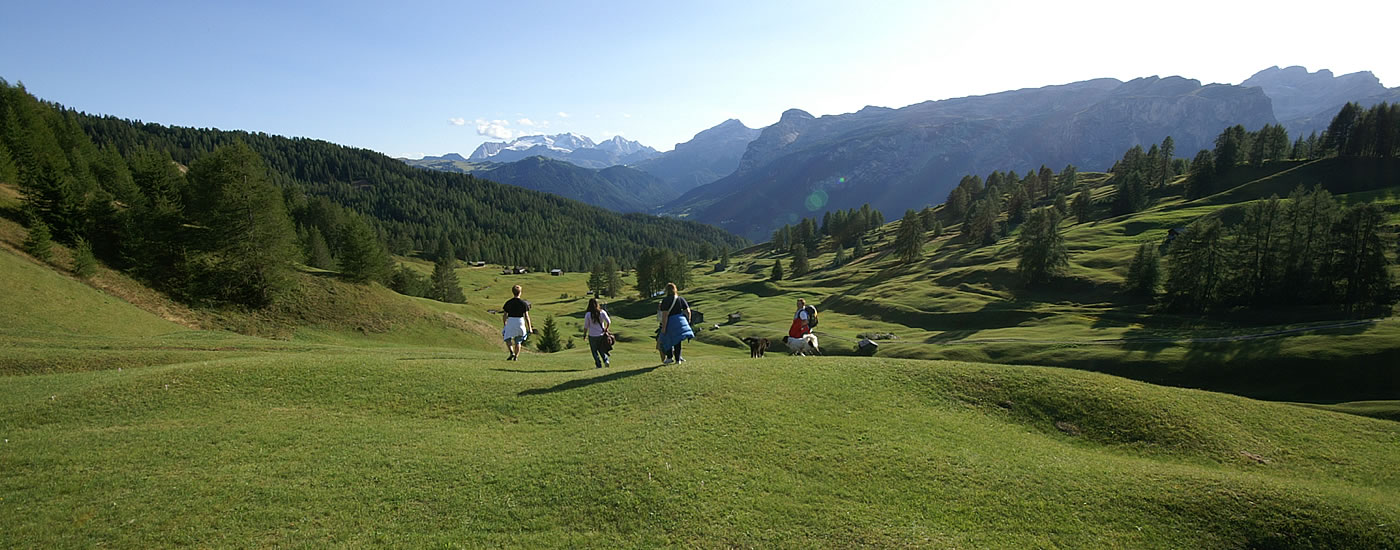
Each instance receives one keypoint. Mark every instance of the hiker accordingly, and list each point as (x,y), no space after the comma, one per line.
(597,322)
(675,325)
(803,320)
(515,316)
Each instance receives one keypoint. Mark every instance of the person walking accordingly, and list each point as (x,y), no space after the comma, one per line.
(803,320)
(675,325)
(597,322)
(515,316)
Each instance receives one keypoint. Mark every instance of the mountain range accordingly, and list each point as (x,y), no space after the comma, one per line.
(1305,102)
(569,147)
(750,181)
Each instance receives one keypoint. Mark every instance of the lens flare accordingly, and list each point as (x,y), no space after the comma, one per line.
(816,200)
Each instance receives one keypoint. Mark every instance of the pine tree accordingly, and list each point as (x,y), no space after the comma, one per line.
(1230,147)
(318,253)
(777,274)
(800,266)
(1144,273)
(9,172)
(445,287)
(1068,179)
(981,227)
(1083,206)
(1167,154)
(614,286)
(1042,247)
(39,243)
(723,261)
(1061,205)
(909,242)
(839,258)
(248,245)
(363,257)
(1259,247)
(1197,266)
(1200,178)
(1131,193)
(408,282)
(859,251)
(937,228)
(1019,206)
(597,279)
(84,263)
(549,337)
(1361,266)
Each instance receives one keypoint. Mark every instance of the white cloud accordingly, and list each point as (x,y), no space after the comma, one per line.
(494,129)
(457,121)
(525,122)
(625,115)
(563,114)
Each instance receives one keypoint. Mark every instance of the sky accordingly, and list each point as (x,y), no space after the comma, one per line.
(427,78)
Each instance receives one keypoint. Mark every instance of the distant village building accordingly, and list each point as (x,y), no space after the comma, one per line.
(556,272)
(479,263)
(735,317)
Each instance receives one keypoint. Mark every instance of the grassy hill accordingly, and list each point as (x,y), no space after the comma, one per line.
(416,447)
(352,416)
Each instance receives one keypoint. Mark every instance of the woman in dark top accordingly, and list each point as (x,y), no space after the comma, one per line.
(515,316)
(675,325)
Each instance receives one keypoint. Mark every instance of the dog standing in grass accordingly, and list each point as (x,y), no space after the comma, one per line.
(806,345)
(756,346)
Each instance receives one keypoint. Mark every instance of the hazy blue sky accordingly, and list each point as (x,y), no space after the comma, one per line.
(413,78)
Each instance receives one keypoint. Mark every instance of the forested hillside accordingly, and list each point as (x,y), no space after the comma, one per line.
(220,217)
(413,208)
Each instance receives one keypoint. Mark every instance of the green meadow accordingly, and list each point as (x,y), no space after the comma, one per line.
(999,417)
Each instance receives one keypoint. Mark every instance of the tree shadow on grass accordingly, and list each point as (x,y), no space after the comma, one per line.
(539,371)
(585,382)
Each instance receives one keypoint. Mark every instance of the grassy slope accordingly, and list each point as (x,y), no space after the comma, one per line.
(970,304)
(341,437)
(418,447)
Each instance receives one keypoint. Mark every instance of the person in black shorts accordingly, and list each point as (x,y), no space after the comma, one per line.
(515,317)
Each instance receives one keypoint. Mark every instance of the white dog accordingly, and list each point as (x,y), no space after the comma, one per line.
(806,345)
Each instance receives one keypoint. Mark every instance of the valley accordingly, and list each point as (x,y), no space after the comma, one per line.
(207,337)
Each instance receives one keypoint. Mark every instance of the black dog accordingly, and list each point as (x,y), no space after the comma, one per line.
(756,346)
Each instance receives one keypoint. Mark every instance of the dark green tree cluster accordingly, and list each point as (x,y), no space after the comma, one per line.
(1145,271)
(909,241)
(1358,132)
(844,228)
(1138,173)
(979,206)
(411,208)
(605,280)
(444,286)
(658,266)
(1306,250)
(1042,247)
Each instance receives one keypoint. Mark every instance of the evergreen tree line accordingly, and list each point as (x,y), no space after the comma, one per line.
(1354,132)
(845,227)
(1300,251)
(658,266)
(412,209)
(978,205)
(228,228)
(1140,172)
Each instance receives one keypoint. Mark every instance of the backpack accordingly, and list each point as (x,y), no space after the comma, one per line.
(811,317)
